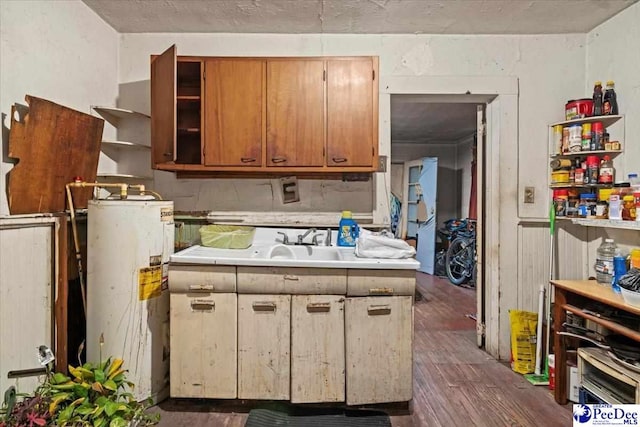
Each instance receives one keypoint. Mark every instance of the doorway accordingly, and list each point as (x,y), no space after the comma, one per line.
(427,132)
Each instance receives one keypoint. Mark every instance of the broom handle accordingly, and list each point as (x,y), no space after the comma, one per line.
(539,330)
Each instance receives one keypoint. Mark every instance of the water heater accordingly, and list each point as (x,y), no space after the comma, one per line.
(128,247)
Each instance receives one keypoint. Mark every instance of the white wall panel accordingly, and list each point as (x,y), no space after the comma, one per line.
(27,279)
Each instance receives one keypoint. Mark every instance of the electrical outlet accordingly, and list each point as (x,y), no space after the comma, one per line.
(529,194)
(382,163)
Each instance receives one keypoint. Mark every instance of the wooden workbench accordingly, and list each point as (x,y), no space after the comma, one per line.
(571,296)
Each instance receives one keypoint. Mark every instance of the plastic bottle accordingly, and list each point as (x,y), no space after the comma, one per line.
(610,103)
(604,262)
(619,270)
(597,98)
(348,230)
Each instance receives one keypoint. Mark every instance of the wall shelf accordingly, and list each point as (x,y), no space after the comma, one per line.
(606,120)
(112,114)
(126,144)
(611,153)
(608,223)
(123,176)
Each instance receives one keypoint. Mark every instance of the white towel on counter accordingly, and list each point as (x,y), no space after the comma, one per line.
(382,245)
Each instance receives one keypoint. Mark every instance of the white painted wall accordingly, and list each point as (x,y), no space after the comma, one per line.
(464,156)
(613,53)
(58,50)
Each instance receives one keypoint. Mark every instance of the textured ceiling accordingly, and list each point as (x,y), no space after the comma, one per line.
(429,122)
(357,16)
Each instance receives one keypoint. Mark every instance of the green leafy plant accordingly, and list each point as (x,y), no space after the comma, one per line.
(93,395)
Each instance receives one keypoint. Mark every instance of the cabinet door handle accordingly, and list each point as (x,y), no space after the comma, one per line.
(200,287)
(203,304)
(381,291)
(291,277)
(247,159)
(378,310)
(278,159)
(315,307)
(339,159)
(167,154)
(264,306)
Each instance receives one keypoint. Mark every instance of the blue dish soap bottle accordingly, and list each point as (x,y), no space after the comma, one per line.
(348,230)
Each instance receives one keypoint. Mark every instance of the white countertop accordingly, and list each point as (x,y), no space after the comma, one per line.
(266,251)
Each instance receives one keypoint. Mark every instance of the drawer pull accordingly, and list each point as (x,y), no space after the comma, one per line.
(379,310)
(200,287)
(169,154)
(264,306)
(203,304)
(247,159)
(291,277)
(381,291)
(339,159)
(278,159)
(316,307)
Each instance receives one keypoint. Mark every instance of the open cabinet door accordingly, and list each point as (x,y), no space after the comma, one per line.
(163,107)
(426,250)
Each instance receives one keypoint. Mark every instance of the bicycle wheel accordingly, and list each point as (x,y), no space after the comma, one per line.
(459,260)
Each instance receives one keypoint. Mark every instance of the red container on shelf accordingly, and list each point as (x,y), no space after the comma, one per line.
(578,108)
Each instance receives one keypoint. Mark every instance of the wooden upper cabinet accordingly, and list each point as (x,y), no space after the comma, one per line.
(233,119)
(295,112)
(352,112)
(163,107)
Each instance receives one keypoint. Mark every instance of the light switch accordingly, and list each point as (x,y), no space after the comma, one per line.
(529,194)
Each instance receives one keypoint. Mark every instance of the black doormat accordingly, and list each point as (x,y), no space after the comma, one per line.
(297,416)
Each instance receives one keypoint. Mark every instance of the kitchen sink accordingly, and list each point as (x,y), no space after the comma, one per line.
(308,253)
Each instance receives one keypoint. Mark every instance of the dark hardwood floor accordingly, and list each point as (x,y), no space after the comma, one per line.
(455,382)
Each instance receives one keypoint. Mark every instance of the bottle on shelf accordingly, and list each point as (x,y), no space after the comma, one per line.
(604,261)
(607,172)
(591,174)
(597,98)
(597,135)
(610,103)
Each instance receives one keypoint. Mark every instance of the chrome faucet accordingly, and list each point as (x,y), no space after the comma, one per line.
(285,238)
(327,238)
(306,233)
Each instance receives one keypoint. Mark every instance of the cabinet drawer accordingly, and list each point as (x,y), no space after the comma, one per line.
(283,280)
(202,278)
(381,282)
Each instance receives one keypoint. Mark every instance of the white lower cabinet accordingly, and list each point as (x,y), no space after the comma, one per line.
(378,339)
(264,332)
(203,345)
(317,348)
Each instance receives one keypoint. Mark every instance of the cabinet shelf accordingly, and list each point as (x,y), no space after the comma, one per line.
(188,130)
(188,97)
(606,120)
(608,223)
(125,144)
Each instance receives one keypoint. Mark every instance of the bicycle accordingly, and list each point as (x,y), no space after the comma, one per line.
(460,259)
